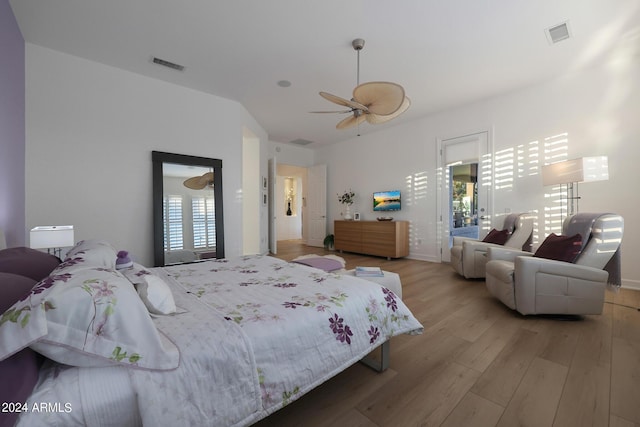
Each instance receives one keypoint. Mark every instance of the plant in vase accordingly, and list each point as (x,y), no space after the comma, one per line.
(328,241)
(347,199)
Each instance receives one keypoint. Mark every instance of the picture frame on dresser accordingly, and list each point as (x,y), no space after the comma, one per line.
(356,216)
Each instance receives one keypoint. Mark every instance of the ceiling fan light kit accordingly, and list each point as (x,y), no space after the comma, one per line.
(374,102)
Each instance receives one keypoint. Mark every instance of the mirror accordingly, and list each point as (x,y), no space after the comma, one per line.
(187,208)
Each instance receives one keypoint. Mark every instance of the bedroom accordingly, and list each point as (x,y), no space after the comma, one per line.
(85,119)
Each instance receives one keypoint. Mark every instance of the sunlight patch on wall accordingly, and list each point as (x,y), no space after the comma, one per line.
(486,180)
(537,237)
(416,188)
(556,149)
(528,159)
(415,194)
(486,171)
(504,165)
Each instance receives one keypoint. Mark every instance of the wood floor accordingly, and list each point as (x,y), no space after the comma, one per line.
(480,364)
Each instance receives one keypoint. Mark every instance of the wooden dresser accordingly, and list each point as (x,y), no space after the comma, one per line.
(381,238)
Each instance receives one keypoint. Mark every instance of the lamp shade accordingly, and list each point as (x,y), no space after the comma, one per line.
(584,169)
(51,236)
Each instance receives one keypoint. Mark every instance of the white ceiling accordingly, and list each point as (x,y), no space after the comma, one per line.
(444,53)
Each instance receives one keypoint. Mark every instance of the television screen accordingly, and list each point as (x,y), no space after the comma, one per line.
(386,201)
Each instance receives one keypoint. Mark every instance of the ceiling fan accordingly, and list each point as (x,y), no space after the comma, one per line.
(199,182)
(374,102)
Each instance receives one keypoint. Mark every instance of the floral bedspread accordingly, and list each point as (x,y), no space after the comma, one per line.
(258,333)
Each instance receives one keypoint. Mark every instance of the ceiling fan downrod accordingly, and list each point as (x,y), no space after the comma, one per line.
(358,44)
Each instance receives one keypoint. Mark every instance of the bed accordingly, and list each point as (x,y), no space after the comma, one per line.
(222,342)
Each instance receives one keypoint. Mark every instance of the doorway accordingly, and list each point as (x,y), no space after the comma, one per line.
(289,212)
(463,197)
(465,194)
(297,203)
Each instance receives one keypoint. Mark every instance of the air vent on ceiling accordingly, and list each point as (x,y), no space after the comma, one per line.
(557,33)
(168,64)
(300,141)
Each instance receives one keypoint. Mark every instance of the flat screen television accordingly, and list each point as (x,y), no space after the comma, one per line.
(386,201)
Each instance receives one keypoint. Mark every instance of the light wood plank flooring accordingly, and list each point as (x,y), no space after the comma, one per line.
(480,364)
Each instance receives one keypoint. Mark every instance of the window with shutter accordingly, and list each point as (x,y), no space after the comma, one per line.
(172,217)
(204,222)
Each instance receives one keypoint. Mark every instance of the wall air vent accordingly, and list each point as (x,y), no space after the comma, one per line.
(300,141)
(168,64)
(557,33)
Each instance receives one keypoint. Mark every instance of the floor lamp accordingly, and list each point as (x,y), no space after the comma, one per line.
(572,172)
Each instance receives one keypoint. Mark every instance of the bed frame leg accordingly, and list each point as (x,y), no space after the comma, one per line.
(382,364)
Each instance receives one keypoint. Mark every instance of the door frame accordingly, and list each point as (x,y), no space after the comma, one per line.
(271,193)
(485,182)
(316,205)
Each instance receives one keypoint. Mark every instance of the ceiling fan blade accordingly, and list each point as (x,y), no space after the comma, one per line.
(199,182)
(344,102)
(375,119)
(350,121)
(338,112)
(382,98)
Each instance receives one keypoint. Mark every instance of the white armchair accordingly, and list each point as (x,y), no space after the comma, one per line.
(533,285)
(469,256)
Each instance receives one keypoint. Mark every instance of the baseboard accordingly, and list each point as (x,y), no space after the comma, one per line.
(423,258)
(631,284)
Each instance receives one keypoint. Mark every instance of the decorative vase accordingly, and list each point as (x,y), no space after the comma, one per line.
(347,214)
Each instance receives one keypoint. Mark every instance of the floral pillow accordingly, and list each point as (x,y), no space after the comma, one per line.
(84,316)
(95,253)
(153,291)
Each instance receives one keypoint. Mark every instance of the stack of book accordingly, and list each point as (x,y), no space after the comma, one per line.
(369,272)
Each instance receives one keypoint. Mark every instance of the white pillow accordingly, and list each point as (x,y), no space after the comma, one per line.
(153,291)
(156,295)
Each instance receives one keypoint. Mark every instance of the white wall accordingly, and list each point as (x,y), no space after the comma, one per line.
(89,135)
(251,194)
(12,129)
(597,108)
(287,154)
(397,158)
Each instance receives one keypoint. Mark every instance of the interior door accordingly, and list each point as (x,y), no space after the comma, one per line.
(467,149)
(271,190)
(317,205)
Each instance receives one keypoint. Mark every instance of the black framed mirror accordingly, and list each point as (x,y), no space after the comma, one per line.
(188,223)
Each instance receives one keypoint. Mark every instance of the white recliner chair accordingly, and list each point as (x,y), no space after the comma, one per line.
(533,285)
(469,256)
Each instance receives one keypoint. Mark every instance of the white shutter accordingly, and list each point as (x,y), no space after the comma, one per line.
(204,224)
(172,217)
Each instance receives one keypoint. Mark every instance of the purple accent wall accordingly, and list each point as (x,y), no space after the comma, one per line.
(12,128)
